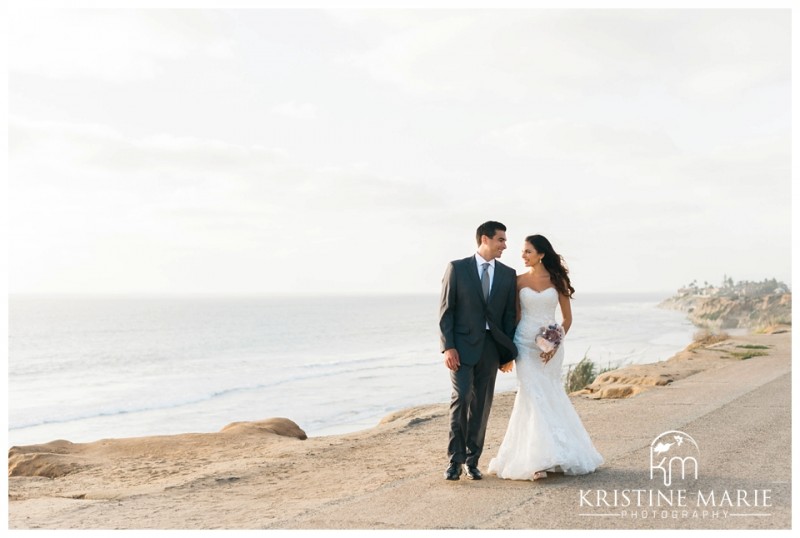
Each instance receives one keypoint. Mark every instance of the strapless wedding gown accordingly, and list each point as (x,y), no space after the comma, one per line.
(544,432)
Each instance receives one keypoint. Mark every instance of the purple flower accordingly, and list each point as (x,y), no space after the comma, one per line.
(549,338)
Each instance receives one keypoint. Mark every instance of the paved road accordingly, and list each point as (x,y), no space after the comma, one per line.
(739,416)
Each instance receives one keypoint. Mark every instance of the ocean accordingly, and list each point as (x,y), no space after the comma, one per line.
(85,368)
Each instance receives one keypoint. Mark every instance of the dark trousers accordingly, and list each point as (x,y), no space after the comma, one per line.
(470,403)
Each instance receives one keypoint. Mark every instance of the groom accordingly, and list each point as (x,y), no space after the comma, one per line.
(476,324)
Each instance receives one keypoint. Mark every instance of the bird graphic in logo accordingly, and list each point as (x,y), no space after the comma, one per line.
(660,448)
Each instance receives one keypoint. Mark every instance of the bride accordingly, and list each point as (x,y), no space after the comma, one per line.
(544,432)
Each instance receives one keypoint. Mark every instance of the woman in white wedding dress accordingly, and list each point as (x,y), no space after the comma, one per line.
(544,432)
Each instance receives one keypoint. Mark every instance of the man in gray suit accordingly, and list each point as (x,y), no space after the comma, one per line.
(476,323)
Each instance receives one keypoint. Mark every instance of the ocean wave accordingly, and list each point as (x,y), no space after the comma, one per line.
(217,394)
(327,362)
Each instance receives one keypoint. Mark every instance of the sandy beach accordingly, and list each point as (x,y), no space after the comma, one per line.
(264,476)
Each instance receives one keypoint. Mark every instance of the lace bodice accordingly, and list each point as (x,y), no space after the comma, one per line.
(538,309)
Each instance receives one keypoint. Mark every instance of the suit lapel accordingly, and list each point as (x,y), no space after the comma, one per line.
(498,278)
(476,279)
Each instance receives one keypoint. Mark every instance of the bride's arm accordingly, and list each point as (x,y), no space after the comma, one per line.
(566,311)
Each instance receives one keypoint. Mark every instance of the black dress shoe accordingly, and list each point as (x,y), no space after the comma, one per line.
(472,472)
(453,471)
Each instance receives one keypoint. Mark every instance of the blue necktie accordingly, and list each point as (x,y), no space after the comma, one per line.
(485,281)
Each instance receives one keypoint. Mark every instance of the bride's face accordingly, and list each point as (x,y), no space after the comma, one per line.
(530,255)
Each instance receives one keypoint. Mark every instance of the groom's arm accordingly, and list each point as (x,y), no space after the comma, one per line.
(447,309)
(510,311)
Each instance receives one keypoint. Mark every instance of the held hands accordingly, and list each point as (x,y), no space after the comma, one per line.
(451,359)
(507,367)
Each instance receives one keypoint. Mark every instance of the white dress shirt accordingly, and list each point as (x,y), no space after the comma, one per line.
(480,261)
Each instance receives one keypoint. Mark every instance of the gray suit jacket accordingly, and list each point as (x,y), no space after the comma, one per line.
(464,312)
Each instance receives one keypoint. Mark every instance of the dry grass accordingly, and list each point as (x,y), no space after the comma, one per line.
(583,374)
(706,337)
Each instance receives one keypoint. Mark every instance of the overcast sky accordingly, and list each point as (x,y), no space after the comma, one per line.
(335,151)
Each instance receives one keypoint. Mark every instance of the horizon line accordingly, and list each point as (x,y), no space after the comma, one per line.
(284,293)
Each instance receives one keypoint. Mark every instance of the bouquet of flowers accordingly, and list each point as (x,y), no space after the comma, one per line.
(549,338)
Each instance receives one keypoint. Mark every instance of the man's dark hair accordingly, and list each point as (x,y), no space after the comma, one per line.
(488,228)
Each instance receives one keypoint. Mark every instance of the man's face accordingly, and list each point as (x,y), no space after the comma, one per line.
(496,244)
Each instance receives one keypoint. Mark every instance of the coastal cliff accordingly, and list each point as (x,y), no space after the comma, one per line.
(764,307)
(745,305)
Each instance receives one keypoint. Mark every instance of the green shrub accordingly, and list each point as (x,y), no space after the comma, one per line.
(744,355)
(583,374)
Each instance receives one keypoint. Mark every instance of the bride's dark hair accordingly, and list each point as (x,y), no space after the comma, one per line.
(554,263)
